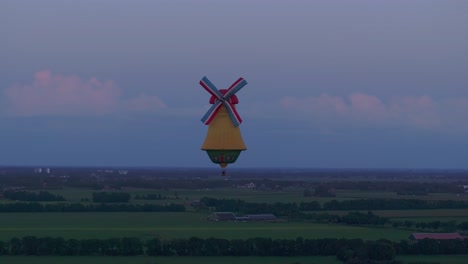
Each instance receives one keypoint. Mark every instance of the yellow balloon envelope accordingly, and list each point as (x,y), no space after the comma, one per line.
(223,142)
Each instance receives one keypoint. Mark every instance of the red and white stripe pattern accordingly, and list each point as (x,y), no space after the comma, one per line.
(222,98)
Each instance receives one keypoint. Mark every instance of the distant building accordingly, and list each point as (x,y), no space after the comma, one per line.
(12,189)
(222,216)
(262,217)
(40,170)
(247,185)
(242,219)
(436,236)
(195,203)
(229,216)
(251,185)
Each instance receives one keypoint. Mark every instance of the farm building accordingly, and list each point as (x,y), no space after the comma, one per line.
(229,216)
(437,236)
(222,216)
(262,217)
(242,219)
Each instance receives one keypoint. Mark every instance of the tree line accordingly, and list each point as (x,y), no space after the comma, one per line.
(344,249)
(400,187)
(81,207)
(291,209)
(406,182)
(393,204)
(97,197)
(294,212)
(112,197)
(447,226)
(151,196)
(42,196)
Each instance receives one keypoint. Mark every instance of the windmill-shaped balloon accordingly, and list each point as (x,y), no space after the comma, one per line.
(223,142)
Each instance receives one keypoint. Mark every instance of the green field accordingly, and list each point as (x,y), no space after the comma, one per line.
(434,213)
(287,195)
(184,225)
(442,259)
(173,225)
(357,194)
(456,259)
(168,260)
(170,225)
(249,195)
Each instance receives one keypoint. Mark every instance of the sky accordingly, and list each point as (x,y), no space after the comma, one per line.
(331,84)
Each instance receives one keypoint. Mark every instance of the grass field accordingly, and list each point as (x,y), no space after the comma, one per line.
(456,259)
(442,259)
(184,225)
(287,195)
(249,195)
(169,260)
(148,225)
(435,213)
(172,225)
(432,219)
(355,194)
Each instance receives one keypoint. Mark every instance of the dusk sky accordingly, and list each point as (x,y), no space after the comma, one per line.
(331,84)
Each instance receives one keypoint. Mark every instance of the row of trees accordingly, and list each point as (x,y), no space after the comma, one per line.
(352,218)
(31,245)
(80,207)
(447,226)
(112,197)
(293,209)
(42,196)
(369,218)
(358,218)
(378,180)
(321,190)
(393,204)
(151,196)
(242,207)
(401,187)
(344,249)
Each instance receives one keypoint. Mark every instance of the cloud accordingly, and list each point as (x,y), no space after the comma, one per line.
(144,103)
(55,94)
(414,111)
(367,106)
(324,102)
(420,111)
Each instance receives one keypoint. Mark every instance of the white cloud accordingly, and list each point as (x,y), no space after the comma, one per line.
(56,94)
(414,111)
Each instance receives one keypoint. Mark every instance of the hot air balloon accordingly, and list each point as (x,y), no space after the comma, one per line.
(223,142)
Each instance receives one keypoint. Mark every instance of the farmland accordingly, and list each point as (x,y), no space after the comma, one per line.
(304,207)
(215,260)
(169,260)
(173,225)
(291,194)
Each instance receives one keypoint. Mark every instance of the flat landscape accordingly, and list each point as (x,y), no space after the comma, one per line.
(171,260)
(108,208)
(173,225)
